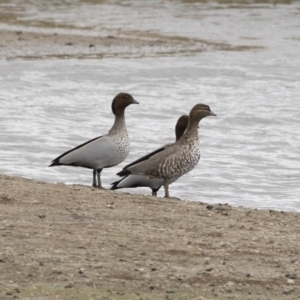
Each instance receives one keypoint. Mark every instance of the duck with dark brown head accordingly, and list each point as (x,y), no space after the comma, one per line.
(176,160)
(103,151)
(133,181)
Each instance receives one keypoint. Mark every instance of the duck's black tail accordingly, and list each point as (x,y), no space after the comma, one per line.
(124,173)
(114,185)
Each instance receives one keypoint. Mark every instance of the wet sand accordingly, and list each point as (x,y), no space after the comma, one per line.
(43,45)
(78,242)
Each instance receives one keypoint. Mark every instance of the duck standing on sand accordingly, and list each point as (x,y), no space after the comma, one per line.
(176,160)
(103,151)
(133,181)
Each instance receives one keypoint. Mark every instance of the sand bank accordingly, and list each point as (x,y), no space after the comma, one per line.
(78,242)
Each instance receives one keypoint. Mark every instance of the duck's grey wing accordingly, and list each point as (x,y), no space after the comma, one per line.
(143,158)
(97,153)
(56,161)
(133,181)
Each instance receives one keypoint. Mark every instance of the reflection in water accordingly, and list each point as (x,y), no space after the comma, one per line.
(250,152)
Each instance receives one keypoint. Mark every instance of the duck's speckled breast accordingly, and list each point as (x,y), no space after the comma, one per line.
(121,138)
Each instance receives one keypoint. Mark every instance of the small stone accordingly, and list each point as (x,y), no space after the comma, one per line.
(209,207)
(288,290)
(41,216)
(230,283)
(110,37)
(206,260)
(153,269)
(69,286)
(69,44)
(81,271)
(9,293)
(292,276)
(91,45)
(209,269)
(293,261)
(290,281)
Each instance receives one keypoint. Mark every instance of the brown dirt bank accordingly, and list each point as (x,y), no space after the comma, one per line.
(43,45)
(77,242)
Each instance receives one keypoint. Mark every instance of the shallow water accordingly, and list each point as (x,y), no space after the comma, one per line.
(249,152)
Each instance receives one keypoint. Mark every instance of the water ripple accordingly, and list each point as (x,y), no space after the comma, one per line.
(249,152)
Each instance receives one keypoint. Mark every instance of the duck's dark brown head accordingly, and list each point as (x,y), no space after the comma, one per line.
(200,111)
(181,126)
(120,102)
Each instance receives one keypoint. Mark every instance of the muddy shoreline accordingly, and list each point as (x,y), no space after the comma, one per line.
(18,44)
(77,242)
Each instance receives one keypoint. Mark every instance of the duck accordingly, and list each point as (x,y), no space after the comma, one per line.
(133,181)
(103,151)
(176,160)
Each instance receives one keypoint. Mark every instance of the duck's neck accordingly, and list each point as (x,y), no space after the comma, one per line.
(119,124)
(191,132)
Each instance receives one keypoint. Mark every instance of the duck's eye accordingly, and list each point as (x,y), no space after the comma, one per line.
(207,108)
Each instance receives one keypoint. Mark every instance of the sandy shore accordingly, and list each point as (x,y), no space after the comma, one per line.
(77,242)
(16,44)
